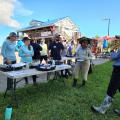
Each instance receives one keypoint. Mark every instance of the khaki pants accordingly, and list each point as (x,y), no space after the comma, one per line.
(82,67)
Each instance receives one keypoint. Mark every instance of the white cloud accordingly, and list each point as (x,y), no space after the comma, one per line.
(7,10)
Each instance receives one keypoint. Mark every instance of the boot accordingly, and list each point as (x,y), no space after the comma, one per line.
(104,106)
(34,80)
(9,84)
(83,83)
(117,111)
(74,83)
(69,72)
(26,80)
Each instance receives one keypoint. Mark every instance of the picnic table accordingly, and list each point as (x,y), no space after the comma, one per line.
(17,76)
(68,58)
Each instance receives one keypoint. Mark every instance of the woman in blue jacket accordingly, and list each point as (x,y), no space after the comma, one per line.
(8,49)
(8,53)
(26,52)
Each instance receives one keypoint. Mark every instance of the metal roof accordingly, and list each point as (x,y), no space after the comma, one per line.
(44,24)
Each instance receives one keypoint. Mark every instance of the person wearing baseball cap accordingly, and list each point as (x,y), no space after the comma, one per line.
(13,34)
(8,53)
(8,49)
(26,53)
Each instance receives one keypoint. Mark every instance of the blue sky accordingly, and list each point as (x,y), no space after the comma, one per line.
(88,15)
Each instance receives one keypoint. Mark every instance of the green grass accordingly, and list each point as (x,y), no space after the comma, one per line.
(54,101)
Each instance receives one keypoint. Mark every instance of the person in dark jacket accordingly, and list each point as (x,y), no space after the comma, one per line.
(36,48)
(55,48)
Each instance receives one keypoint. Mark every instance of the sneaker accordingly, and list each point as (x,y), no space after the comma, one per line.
(117,111)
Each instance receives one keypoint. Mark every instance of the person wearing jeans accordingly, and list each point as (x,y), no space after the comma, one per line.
(113,87)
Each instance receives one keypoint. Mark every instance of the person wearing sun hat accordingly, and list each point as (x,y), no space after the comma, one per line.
(83,57)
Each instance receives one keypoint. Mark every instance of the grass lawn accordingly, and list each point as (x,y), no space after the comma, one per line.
(54,101)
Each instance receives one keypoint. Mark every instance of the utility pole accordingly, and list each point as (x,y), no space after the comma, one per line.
(108,19)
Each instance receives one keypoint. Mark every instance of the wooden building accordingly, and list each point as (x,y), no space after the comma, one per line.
(63,26)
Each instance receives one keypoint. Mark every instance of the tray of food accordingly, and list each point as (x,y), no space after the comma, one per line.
(45,67)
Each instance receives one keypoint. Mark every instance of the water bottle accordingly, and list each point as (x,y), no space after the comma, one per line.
(53,62)
(8,112)
(27,65)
